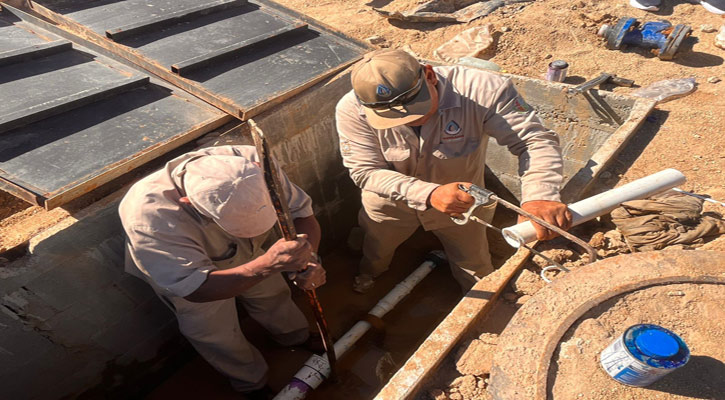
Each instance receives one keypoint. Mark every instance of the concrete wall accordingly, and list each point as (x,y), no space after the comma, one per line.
(72,321)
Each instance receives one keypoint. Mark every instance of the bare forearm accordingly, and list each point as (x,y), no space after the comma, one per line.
(311,227)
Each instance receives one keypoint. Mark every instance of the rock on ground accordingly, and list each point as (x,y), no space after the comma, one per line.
(527,283)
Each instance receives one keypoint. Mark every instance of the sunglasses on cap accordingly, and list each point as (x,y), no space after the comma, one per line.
(400,99)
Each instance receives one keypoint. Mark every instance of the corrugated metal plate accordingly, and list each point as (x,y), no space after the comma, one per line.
(71,120)
(241,56)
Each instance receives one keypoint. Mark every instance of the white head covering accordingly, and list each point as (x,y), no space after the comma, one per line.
(231,191)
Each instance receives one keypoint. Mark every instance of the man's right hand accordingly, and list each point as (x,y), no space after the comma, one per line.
(289,256)
(451,200)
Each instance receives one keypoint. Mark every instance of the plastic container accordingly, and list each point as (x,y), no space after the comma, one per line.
(643,354)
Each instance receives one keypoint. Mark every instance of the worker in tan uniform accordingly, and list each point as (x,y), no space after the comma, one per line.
(200,232)
(410,133)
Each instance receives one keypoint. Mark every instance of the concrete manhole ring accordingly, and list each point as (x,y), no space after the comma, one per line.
(524,354)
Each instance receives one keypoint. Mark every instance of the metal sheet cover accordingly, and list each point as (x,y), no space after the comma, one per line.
(71,119)
(242,80)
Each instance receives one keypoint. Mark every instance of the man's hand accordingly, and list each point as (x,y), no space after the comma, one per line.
(451,200)
(552,212)
(290,256)
(313,277)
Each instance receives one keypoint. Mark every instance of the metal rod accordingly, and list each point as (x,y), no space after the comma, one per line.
(720,203)
(589,249)
(316,369)
(34,51)
(186,66)
(34,113)
(157,22)
(287,227)
(529,248)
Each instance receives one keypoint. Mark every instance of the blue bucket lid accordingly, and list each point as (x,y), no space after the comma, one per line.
(657,343)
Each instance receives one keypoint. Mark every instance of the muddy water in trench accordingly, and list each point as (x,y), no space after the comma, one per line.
(373,360)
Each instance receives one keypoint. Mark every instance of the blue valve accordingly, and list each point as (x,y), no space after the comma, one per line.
(661,37)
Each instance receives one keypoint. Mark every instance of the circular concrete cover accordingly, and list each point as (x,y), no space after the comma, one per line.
(521,368)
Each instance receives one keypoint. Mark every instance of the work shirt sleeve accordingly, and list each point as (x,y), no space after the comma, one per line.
(362,155)
(174,263)
(514,124)
(300,203)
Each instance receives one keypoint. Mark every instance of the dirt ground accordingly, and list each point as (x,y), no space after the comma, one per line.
(693,311)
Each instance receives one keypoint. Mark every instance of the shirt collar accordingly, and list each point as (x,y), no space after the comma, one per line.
(447,95)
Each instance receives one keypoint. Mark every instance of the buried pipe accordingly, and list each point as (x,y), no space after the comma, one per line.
(317,368)
(602,203)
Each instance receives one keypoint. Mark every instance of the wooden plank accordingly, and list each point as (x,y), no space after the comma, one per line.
(232,50)
(157,22)
(62,104)
(34,51)
(474,306)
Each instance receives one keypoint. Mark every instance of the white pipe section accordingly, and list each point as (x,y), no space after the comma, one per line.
(317,368)
(602,203)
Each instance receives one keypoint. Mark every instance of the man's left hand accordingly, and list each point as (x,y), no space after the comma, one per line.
(313,277)
(553,212)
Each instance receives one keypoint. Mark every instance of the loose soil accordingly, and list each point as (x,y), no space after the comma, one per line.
(692,311)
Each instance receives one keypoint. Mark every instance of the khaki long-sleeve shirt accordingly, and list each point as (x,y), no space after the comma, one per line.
(171,245)
(399,165)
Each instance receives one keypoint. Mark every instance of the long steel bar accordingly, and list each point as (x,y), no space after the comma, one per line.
(589,249)
(527,247)
(35,51)
(164,20)
(287,227)
(60,105)
(186,66)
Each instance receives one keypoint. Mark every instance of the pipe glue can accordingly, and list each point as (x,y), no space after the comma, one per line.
(557,71)
(643,354)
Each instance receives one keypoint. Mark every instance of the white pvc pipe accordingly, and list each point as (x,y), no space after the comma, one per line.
(602,203)
(317,368)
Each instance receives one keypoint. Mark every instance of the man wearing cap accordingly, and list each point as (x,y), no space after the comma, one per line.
(200,232)
(410,133)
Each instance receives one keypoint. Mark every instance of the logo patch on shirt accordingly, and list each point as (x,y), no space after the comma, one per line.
(452,128)
(453,132)
(383,91)
(521,106)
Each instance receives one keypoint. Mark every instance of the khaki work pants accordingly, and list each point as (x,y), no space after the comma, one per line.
(213,329)
(387,226)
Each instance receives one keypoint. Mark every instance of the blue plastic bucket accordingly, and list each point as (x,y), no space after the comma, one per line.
(643,354)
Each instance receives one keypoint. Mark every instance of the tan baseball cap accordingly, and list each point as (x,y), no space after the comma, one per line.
(231,191)
(391,86)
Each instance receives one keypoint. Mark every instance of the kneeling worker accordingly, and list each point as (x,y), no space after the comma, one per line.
(411,133)
(200,232)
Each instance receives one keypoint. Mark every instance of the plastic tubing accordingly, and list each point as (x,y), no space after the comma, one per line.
(602,203)
(317,368)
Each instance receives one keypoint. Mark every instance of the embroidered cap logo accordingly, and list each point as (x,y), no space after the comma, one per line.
(383,91)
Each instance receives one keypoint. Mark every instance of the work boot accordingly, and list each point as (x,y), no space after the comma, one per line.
(363,283)
(647,5)
(714,6)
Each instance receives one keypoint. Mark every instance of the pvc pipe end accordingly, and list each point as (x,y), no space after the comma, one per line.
(512,238)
